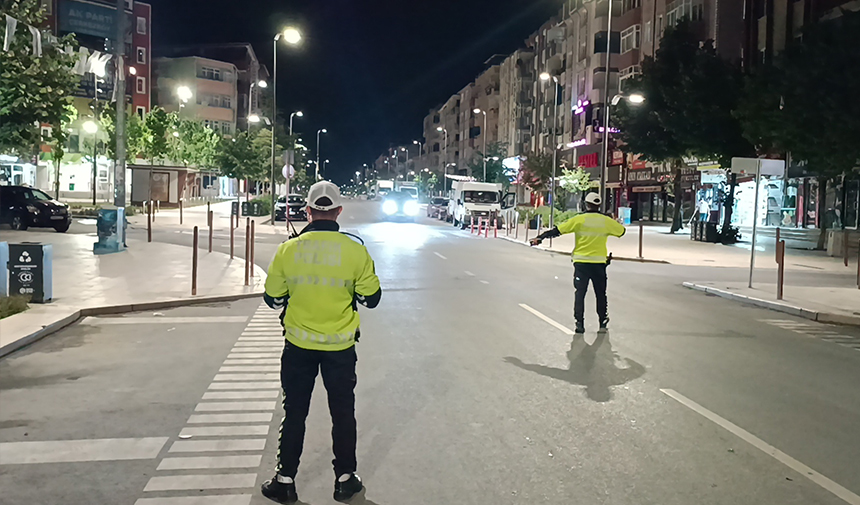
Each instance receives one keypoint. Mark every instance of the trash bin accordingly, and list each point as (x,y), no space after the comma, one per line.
(234,208)
(111,236)
(246,208)
(624,215)
(30,272)
(256,209)
(711,234)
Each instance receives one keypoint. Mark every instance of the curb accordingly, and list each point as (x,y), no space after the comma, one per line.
(567,253)
(116,309)
(812,315)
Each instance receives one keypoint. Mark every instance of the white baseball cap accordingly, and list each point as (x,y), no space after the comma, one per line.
(592,198)
(324,195)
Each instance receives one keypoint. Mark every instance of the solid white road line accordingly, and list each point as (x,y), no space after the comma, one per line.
(255,349)
(224,431)
(251,368)
(76,451)
(245,385)
(165,320)
(262,339)
(561,327)
(437,254)
(239,395)
(232,499)
(261,417)
(200,462)
(247,376)
(234,406)
(188,482)
(262,361)
(254,355)
(276,343)
(827,484)
(250,444)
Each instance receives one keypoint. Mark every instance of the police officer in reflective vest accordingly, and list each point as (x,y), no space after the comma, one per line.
(319,277)
(589,256)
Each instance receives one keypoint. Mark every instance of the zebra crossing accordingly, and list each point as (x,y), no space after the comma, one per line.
(217,457)
(826,332)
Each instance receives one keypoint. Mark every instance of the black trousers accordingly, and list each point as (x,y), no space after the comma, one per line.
(298,373)
(583,273)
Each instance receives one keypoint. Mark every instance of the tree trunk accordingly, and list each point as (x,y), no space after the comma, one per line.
(676,187)
(57,178)
(821,212)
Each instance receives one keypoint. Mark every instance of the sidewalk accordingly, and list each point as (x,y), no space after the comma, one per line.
(196,216)
(146,273)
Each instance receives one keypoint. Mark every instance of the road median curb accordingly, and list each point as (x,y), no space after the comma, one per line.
(78,314)
(614,258)
(812,315)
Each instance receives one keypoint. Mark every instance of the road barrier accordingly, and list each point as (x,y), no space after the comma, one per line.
(641,230)
(194,265)
(180,211)
(780,261)
(253,234)
(247,248)
(232,237)
(210,218)
(149,222)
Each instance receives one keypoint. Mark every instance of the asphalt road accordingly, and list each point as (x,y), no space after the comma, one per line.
(471,391)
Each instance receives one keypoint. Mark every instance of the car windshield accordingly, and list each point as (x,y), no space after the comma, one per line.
(481,196)
(438,201)
(399,195)
(30,195)
(296,199)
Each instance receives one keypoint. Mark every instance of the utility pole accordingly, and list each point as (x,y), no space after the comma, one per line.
(119,197)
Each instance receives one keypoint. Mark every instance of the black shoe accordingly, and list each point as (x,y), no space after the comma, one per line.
(580,328)
(279,492)
(604,326)
(343,491)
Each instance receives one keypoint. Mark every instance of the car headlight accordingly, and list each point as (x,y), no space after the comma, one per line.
(389,207)
(33,209)
(410,208)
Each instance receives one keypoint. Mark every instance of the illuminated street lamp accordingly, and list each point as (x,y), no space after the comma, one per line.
(292,115)
(293,37)
(483,134)
(321,130)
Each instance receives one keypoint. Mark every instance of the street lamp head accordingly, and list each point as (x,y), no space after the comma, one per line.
(299,113)
(636,98)
(403,149)
(292,35)
(254,118)
(544,76)
(184,93)
(415,142)
(132,70)
(439,128)
(357,172)
(476,110)
(326,161)
(323,131)
(90,126)
(263,84)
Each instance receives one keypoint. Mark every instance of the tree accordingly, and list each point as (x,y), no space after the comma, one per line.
(35,89)
(690,93)
(537,171)
(572,182)
(59,140)
(191,143)
(496,152)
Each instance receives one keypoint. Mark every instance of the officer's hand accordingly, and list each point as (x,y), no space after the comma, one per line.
(275,303)
(535,241)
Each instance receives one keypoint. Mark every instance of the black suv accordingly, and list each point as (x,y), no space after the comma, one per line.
(22,207)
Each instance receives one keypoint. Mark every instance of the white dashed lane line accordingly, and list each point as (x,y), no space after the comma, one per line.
(559,326)
(437,254)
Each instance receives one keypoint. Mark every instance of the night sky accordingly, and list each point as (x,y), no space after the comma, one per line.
(368,70)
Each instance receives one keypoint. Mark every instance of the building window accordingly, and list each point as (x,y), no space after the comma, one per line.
(227,76)
(659,25)
(680,9)
(141,55)
(213,74)
(129,4)
(141,85)
(436,147)
(648,34)
(227,102)
(631,4)
(627,73)
(141,26)
(630,38)
(141,111)
(226,128)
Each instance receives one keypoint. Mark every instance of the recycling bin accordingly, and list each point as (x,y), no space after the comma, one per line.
(4,274)
(246,208)
(234,208)
(30,271)
(111,237)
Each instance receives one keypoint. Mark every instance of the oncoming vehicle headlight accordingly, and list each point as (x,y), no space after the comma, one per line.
(410,208)
(389,207)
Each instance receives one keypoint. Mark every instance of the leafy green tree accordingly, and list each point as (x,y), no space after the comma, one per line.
(537,171)
(572,182)
(496,152)
(59,140)
(191,143)
(34,89)
(690,93)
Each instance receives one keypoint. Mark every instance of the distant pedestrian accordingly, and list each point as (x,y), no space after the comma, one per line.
(590,256)
(704,210)
(318,279)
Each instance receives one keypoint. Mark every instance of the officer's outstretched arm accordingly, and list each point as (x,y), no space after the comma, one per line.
(277,292)
(368,292)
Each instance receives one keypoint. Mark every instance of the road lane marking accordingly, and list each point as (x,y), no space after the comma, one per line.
(189,482)
(240,395)
(470,274)
(437,254)
(257,349)
(234,362)
(825,483)
(234,406)
(261,417)
(77,451)
(251,368)
(484,282)
(253,355)
(559,326)
(262,339)
(233,499)
(164,320)
(265,343)
(246,385)
(230,445)
(224,431)
(247,376)
(204,462)
(827,333)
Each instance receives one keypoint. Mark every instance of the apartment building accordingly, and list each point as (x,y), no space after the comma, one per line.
(482,95)
(250,73)
(517,79)
(213,99)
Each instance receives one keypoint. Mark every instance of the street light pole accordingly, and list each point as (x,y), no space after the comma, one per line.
(444,163)
(294,114)
(420,151)
(317,168)
(605,164)
(292,36)
(119,166)
(554,158)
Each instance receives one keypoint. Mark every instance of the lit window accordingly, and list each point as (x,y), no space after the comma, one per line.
(141,85)
(630,38)
(141,55)
(141,26)
(141,111)
(648,34)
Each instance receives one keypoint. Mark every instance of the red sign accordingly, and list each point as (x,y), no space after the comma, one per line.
(617,157)
(589,160)
(638,164)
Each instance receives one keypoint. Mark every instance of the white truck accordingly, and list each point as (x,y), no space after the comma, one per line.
(474,199)
(381,188)
(407,187)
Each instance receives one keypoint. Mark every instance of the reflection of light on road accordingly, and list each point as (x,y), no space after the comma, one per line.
(400,235)
(87,222)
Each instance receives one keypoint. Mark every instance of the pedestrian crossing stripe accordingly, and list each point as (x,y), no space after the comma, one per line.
(827,333)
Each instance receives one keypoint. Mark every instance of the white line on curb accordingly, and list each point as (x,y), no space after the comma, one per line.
(844,494)
(561,327)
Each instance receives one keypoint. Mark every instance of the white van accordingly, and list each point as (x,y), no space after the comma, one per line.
(474,199)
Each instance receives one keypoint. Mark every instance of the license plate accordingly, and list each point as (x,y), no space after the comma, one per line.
(57,218)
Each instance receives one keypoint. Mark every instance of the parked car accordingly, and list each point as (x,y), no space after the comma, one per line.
(400,204)
(297,208)
(437,207)
(22,207)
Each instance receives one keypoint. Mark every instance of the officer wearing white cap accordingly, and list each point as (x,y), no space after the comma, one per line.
(589,256)
(319,278)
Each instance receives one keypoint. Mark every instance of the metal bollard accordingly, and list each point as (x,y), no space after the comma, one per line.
(194,265)
(780,254)
(778,238)
(641,233)
(487,228)
(180,211)
(152,209)
(253,236)
(472,225)
(149,223)
(210,218)
(496,229)
(845,246)
(247,248)
(232,236)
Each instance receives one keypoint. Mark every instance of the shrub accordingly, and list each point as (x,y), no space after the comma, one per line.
(11,305)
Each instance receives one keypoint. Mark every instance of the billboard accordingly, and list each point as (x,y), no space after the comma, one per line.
(87,18)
